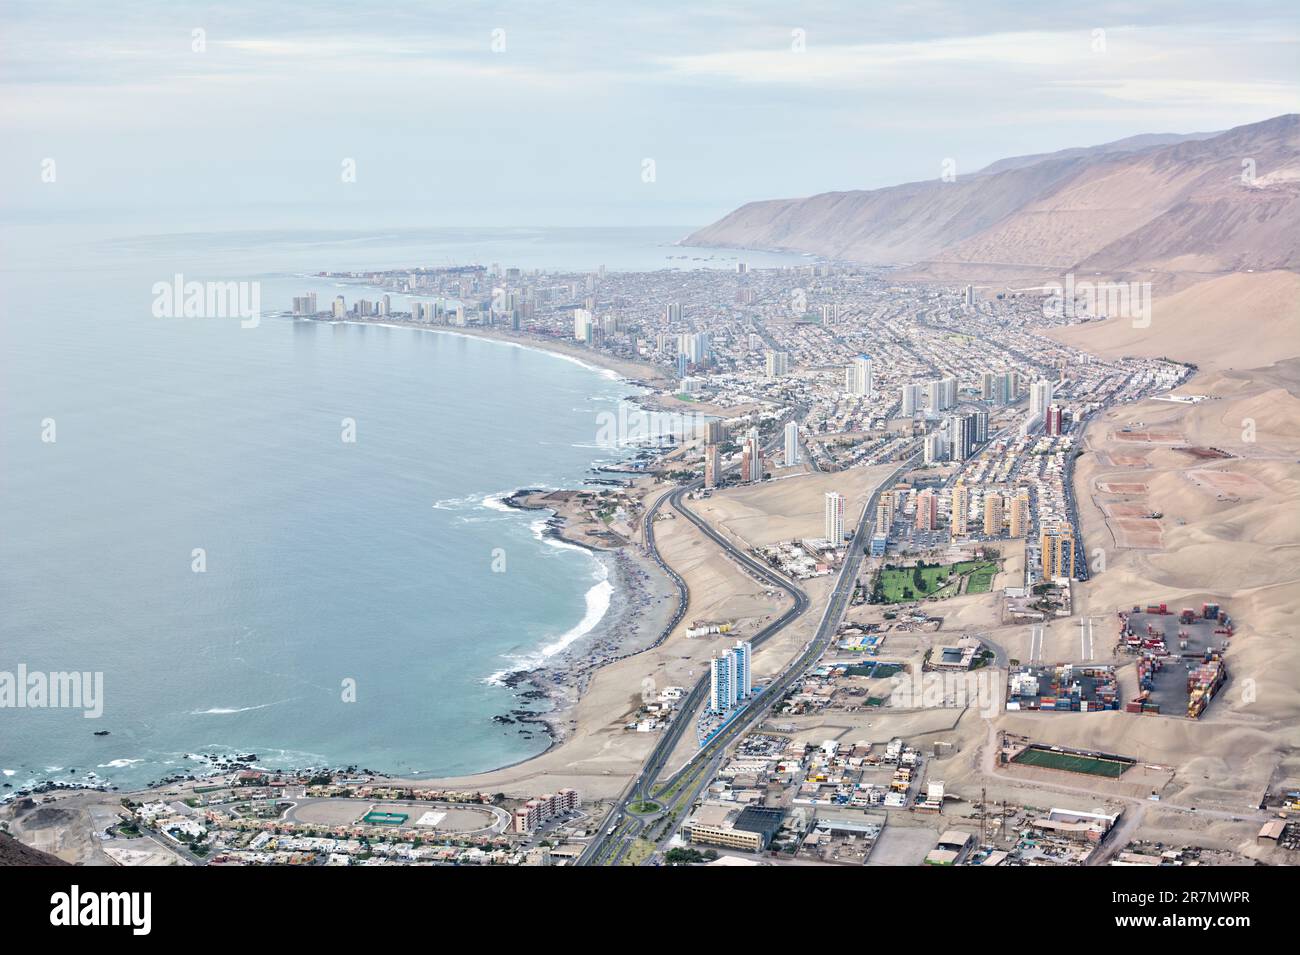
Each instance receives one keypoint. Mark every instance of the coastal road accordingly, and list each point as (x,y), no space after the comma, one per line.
(622,828)
(693,777)
(648,543)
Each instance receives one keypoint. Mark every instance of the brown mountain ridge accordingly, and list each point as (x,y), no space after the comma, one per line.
(1207,203)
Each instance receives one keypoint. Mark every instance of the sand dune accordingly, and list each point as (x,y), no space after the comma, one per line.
(1243,320)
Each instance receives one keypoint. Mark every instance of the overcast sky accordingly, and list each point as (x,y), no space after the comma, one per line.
(550,120)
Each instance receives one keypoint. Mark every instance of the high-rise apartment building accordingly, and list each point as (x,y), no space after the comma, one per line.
(960,509)
(936,447)
(752,458)
(305,304)
(729,677)
(792,456)
(960,437)
(857,377)
(911,398)
(833,517)
(1055,416)
(722,684)
(1057,544)
(1040,398)
(582,326)
(927,510)
(1018,513)
(993,514)
(695,346)
(712,465)
(740,654)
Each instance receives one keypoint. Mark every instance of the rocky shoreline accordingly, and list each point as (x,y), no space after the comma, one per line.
(643,602)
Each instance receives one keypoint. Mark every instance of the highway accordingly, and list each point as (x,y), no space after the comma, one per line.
(621,829)
(614,822)
(640,787)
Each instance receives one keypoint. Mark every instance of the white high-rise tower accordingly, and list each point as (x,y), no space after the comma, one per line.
(834,517)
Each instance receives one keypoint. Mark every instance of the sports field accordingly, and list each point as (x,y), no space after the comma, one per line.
(899,584)
(1072,762)
(377,817)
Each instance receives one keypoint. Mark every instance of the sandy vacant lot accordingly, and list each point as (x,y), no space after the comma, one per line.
(790,508)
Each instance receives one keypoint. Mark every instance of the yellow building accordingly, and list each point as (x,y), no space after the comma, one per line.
(1057,543)
(1018,513)
(960,509)
(992,515)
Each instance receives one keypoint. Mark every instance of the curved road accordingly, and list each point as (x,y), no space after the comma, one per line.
(621,829)
(639,790)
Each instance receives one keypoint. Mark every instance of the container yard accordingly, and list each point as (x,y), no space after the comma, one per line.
(1180,656)
(1069,687)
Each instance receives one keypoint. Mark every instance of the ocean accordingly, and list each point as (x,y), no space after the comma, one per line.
(200,531)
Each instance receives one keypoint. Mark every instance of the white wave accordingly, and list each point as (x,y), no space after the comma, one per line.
(598,599)
(496,502)
(539,532)
(10,772)
(118,764)
(468,501)
(227,710)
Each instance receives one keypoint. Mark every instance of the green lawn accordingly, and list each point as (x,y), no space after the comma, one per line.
(981,580)
(942,581)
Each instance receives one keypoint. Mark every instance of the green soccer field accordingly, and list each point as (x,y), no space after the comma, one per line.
(1071,762)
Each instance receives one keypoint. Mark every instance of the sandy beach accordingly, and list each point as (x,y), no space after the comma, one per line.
(635,372)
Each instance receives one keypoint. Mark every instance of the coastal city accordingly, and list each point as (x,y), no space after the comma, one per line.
(881,644)
(545,438)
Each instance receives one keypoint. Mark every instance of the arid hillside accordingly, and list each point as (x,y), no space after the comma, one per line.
(1240,320)
(1218,204)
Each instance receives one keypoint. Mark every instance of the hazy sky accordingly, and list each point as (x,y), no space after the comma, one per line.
(555,127)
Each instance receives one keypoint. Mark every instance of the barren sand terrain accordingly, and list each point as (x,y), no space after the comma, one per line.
(789,508)
(1239,320)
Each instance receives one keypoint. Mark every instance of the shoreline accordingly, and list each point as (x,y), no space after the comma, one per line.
(637,373)
(641,602)
(626,627)
(562,680)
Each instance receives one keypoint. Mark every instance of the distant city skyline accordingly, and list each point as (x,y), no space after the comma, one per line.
(502,114)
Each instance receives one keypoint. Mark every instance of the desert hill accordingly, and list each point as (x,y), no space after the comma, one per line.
(1240,320)
(1203,202)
